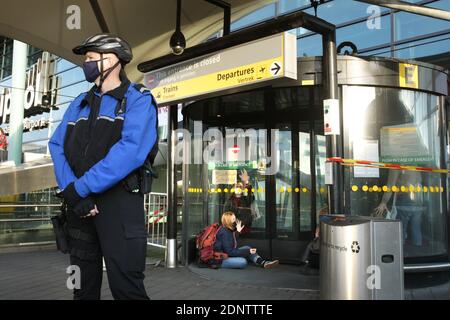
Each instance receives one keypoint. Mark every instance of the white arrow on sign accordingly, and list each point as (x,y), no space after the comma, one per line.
(275,68)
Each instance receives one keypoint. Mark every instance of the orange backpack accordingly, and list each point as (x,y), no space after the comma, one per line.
(205,246)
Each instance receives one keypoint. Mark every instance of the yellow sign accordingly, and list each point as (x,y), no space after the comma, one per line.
(242,75)
(409,75)
(224,176)
(250,63)
(307,82)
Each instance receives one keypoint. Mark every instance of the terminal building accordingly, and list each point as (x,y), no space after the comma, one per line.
(392,87)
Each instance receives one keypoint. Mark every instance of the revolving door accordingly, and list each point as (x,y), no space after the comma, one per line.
(272,137)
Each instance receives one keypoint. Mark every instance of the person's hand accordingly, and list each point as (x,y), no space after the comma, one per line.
(239,225)
(381,209)
(253,251)
(244,177)
(85,208)
(317,233)
(92,213)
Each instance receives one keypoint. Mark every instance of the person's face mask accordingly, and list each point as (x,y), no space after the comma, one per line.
(91,71)
(237,193)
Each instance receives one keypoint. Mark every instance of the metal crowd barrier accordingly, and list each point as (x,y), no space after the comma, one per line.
(156,218)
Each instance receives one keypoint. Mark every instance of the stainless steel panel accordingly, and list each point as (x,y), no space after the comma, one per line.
(371,71)
(361,258)
(387,244)
(345,254)
(27,177)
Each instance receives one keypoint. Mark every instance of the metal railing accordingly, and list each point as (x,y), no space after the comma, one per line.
(29,205)
(35,206)
(155,205)
(35,220)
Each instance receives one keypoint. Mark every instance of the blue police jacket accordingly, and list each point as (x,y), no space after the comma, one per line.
(95,147)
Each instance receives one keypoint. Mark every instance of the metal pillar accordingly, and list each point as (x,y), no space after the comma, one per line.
(19,66)
(171,252)
(187,140)
(333,142)
(99,16)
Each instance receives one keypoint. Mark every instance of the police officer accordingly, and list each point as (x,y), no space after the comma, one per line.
(103,139)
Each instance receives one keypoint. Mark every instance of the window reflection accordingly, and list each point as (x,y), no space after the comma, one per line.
(401,127)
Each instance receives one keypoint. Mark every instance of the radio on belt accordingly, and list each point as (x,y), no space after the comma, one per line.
(331,117)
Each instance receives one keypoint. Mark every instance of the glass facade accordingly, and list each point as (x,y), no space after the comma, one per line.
(376,31)
(406,23)
(6,46)
(382,124)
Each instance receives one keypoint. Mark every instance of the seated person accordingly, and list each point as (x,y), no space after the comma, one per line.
(226,241)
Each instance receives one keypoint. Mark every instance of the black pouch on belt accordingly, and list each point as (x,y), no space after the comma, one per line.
(59,228)
(132,182)
(147,174)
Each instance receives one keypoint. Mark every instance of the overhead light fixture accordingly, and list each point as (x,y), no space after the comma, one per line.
(177,41)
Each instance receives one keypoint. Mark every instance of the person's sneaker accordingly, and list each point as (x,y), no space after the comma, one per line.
(270,264)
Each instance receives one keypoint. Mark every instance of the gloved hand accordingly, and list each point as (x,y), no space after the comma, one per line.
(84,207)
(71,196)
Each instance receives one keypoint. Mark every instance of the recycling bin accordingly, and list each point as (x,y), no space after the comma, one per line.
(361,258)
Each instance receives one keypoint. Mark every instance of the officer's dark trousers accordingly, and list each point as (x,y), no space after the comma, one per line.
(118,234)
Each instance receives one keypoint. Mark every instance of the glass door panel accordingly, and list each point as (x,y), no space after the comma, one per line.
(284,184)
(305,181)
(321,188)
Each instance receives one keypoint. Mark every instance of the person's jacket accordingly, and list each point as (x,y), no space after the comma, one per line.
(226,241)
(95,146)
(3,141)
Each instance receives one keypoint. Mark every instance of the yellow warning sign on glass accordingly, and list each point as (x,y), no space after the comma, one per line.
(409,75)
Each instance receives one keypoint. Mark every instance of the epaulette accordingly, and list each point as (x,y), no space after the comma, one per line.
(141,88)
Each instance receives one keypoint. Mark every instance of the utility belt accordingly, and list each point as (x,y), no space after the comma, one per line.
(141,179)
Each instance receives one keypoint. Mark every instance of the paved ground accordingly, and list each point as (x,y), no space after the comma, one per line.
(41,275)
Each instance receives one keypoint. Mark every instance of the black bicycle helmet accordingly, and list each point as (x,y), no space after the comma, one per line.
(106,43)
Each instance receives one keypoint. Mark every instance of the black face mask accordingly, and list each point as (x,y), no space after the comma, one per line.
(91,71)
